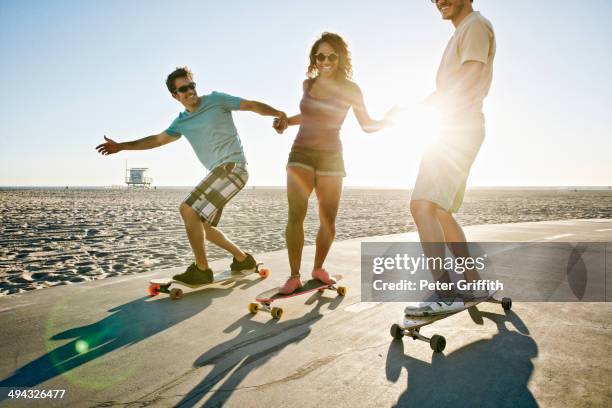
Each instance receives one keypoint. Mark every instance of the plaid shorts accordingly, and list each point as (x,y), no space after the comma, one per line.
(214,192)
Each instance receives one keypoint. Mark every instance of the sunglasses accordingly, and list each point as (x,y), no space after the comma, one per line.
(187,87)
(333,57)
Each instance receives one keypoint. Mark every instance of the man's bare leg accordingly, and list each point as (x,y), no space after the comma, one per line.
(455,237)
(218,238)
(195,234)
(431,234)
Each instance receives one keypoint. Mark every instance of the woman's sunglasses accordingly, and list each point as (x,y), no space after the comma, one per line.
(333,57)
(187,87)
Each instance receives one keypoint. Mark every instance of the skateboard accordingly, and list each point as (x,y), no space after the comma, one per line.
(264,300)
(412,324)
(162,285)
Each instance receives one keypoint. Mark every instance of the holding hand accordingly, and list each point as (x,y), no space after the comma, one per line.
(391,116)
(280,123)
(109,147)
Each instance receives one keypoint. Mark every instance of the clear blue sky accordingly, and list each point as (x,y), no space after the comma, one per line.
(73,71)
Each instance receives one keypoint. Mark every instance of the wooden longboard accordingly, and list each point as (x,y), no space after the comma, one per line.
(265,299)
(411,325)
(162,285)
(435,317)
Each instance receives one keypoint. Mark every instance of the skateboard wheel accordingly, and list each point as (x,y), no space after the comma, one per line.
(506,303)
(264,272)
(437,343)
(176,293)
(253,308)
(397,332)
(276,312)
(154,290)
(341,290)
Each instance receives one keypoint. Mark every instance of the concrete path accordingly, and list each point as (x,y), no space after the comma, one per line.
(107,344)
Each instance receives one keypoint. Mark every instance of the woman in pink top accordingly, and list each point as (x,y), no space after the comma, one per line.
(315,161)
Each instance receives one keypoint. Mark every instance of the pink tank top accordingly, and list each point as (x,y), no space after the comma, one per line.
(321,122)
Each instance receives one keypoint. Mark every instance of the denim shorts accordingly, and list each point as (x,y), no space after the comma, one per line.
(322,162)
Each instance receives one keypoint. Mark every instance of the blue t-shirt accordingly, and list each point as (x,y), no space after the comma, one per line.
(211,130)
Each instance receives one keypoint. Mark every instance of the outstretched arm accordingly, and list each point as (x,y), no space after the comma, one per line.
(262,109)
(280,125)
(368,124)
(294,120)
(280,120)
(149,142)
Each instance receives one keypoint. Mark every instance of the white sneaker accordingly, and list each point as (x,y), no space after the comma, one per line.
(475,295)
(434,308)
(415,306)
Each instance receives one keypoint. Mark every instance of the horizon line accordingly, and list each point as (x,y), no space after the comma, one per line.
(584,186)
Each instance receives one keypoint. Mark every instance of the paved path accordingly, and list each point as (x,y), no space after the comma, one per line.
(206,350)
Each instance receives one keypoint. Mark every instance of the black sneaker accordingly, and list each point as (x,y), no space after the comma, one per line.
(247,265)
(195,276)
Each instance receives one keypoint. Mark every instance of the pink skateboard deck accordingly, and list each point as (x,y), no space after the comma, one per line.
(265,299)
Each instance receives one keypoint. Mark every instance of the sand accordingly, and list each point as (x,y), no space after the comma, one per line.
(54,237)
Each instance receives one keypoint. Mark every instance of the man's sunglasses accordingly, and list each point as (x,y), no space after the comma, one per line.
(187,87)
(333,57)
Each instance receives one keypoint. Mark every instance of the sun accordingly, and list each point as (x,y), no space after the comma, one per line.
(416,127)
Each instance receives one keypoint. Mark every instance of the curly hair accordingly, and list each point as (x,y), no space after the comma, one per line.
(179,72)
(345,66)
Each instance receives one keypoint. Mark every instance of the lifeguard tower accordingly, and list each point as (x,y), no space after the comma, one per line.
(136,177)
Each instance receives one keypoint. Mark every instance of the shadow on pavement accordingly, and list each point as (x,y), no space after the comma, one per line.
(486,373)
(255,344)
(126,325)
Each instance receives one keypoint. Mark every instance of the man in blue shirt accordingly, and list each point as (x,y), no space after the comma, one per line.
(208,126)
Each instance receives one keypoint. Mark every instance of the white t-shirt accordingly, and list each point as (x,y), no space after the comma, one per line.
(473,40)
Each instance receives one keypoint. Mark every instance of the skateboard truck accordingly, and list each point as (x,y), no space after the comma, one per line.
(276,312)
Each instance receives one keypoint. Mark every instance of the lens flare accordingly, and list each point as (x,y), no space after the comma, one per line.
(81,346)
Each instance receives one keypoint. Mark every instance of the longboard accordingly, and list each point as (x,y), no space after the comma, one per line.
(412,324)
(264,300)
(162,285)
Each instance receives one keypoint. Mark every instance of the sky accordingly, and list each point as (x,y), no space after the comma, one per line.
(74,71)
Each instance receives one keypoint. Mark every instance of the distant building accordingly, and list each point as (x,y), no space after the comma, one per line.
(137,177)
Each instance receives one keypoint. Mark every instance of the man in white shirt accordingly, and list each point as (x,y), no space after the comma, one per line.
(462,82)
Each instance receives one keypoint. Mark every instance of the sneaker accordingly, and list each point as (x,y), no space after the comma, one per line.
(413,307)
(434,308)
(474,295)
(292,284)
(248,264)
(195,276)
(322,275)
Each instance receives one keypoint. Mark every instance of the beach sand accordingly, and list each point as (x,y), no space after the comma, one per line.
(65,236)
